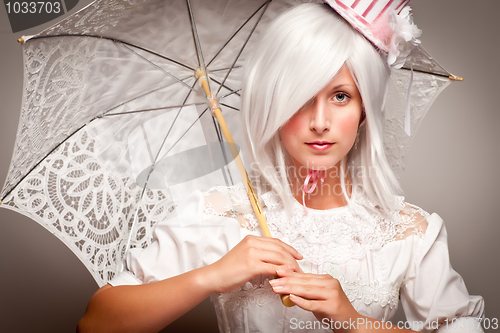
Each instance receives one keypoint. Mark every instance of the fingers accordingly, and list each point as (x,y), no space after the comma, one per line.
(273,243)
(320,294)
(290,249)
(268,262)
(308,286)
(270,251)
(253,256)
(303,303)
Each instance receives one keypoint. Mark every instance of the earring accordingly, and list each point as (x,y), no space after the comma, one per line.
(357,140)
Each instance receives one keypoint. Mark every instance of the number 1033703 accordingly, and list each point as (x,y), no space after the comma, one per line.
(486,323)
(34,7)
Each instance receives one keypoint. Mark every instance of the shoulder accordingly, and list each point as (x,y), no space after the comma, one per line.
(230,202)
(413,220)
(221,200)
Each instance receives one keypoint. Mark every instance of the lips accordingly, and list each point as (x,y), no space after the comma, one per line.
(320,145)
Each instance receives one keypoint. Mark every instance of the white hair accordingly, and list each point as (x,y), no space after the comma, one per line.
(298,55)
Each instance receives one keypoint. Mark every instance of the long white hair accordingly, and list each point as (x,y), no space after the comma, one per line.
(297,56)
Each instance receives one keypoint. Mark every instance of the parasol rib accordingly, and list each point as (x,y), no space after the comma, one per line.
(449,76)
(233,91)
(223,69)
(148,110)
(238,30)
(121,42)
(161,69)
(243,47)
(148,145)
(236,92)
(129,238)
(194,122)
(170,129)
(199,53)
(230,107)
(41,160)
(142,95)
(219,136)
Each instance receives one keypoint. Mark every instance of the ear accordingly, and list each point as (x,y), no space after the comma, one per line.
(363,116)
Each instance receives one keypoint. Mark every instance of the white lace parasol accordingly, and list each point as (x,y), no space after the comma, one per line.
(98,160)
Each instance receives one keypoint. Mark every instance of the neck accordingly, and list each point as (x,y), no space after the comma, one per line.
(327,194)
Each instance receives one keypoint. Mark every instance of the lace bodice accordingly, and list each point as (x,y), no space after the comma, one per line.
(378,259)
(331,236)
(339,242)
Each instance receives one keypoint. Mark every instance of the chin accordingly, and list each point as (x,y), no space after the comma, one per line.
(322,165)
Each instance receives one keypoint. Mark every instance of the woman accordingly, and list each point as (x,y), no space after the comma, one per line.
(346,247)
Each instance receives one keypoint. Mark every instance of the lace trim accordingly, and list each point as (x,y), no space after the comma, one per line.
(256,291)
(413,221)
(330,236)
(54,76)
(63,193)
(260,293)
(383,295)
(95,19)
(339,238)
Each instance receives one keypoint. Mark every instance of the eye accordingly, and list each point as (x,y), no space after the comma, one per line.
(341,97)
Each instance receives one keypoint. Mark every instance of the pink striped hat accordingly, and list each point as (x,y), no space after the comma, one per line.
(386,23)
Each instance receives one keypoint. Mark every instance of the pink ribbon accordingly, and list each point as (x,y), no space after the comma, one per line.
(312,178)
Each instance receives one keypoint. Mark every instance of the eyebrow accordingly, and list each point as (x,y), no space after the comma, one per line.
(342,85)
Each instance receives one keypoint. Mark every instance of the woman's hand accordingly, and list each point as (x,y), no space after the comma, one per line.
(324,297)
(252,257)
(320,294)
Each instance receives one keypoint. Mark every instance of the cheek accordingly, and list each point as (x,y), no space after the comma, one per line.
(293,125)
(348,125)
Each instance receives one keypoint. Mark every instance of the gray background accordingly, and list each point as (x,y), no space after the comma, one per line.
(452,170)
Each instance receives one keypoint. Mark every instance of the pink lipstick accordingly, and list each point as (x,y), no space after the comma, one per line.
(320,145)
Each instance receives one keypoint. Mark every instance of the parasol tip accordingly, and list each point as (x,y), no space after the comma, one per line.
(24,39)
(455,78)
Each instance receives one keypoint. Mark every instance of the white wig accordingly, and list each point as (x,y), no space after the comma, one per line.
(297,56)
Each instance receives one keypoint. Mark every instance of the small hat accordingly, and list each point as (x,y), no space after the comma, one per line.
(386,23)
(416,78)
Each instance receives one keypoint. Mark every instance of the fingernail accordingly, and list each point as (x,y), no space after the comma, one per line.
(272,282)
(278,271)
(277,287)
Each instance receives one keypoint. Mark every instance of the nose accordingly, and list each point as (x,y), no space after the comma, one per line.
(319,117)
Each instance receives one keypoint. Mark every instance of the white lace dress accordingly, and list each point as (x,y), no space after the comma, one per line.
(377,261)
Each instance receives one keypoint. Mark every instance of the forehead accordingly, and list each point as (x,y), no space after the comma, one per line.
(342,79)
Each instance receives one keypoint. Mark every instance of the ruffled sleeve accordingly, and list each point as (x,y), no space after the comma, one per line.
(189,240)
(433,295)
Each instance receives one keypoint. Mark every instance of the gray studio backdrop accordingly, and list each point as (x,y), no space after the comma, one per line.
(452,170)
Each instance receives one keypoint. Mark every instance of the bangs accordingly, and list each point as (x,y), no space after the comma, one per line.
(290,67)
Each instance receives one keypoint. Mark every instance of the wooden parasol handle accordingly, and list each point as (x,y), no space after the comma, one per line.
(216,111)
